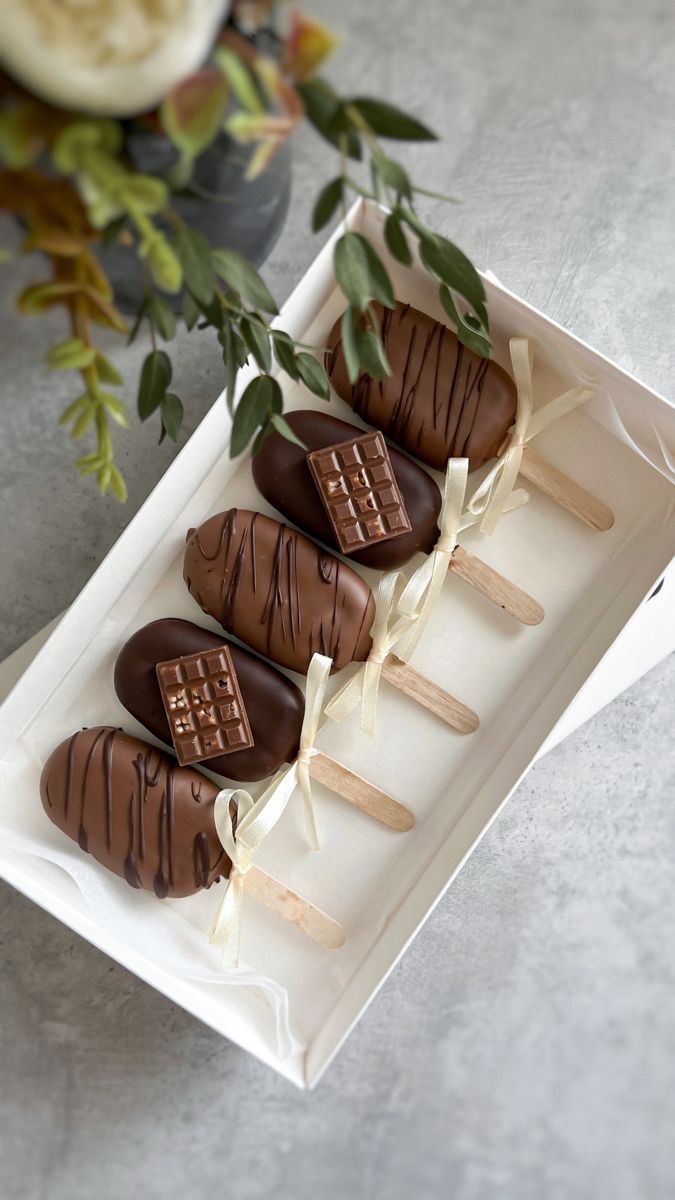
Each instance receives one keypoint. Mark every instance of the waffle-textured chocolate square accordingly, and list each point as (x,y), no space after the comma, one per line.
(203,703)
(357,485)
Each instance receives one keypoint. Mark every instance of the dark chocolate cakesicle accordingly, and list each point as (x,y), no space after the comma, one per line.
(274,704)
(135,811)
(283,477)
(277,591)
(441,400)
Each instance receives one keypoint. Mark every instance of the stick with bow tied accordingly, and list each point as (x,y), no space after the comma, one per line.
(363,687)
(241,837)
(489,500)
(419,596)
(314,764)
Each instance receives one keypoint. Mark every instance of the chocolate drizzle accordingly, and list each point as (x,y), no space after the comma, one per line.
(277,591)
(438,405)
(136,812)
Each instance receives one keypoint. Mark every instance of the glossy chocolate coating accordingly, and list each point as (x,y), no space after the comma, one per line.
(277,591)
(283,477)
(135,811)
(441,400)
(274,705)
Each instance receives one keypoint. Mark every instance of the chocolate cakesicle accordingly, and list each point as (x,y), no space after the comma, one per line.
(282,473)
(273,703)
(151,822)
(282,595)
(274,706)
(443,401)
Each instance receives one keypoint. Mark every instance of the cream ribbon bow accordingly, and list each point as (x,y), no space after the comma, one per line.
(423,589)
(317,678)
(363,687)
(255,819)
(489,500)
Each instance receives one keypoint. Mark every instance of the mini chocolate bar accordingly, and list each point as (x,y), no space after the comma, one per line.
(358,488)
(204,706)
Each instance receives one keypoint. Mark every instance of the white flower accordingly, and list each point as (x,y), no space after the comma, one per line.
(108,57)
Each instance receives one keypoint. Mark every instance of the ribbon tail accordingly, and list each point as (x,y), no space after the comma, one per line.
(420,618)
(346,698)
(310,813)
(226,928)
(502,490)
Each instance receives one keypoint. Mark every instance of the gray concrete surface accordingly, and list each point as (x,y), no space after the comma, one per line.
(525,1049)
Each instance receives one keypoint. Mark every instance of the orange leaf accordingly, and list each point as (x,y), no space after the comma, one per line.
(307,46)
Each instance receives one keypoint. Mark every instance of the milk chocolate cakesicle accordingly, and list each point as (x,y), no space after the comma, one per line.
(286,598)
(151,822)
(366,477)
(135,811)
(443,401)
(278,592)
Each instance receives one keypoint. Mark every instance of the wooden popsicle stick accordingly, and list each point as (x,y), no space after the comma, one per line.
(429,694)
(366,796)
(565,491)
(305,916)
(496,587)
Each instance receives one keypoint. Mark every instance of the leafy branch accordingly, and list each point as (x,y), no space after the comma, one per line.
(70,180)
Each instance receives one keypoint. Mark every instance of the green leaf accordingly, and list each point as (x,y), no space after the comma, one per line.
(155,379)
(256,337)
(107,372)
(360,272)
(321,105)
(117,485)
(468,336)
(113,229)
(226,339)
(371,355)
(262,395)
(392,174)
(285,353)
(117,409)
(164,263)
(133,334)
(395,238)
(349,347)
(162,316)
(194,254)
(243,278)
(327,202)
(389,122)
(172,415)
(143,192)
(191,114)
(82,423)
(313,375)
(103,478)
(73,410)
(240,79)
(71,355)
(285,430)
(191,311)
(451,267)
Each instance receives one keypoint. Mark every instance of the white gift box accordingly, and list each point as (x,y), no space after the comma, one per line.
(292,1003)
